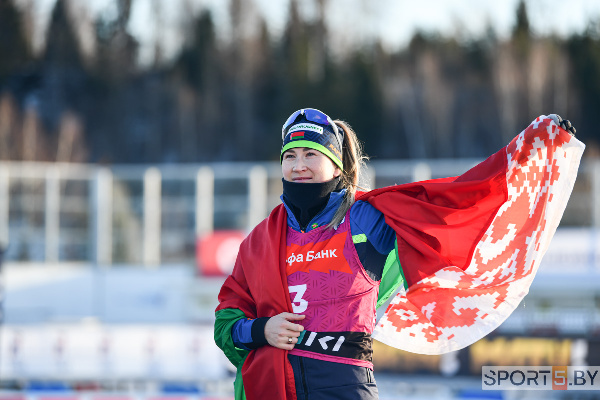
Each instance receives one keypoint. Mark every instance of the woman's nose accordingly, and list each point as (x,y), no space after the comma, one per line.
(299,165)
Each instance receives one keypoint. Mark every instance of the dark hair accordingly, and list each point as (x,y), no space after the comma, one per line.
(354,161)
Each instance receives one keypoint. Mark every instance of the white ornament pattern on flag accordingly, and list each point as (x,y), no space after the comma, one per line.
(453,308)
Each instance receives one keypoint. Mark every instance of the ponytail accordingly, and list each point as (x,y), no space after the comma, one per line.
(354,161)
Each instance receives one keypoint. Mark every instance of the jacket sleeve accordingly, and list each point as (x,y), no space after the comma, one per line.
(249,334)
(225,319)
(368,226)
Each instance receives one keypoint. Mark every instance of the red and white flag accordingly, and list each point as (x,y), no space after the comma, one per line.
(470,246)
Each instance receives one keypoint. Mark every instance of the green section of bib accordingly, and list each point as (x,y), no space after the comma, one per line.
(361,238)
(392,276)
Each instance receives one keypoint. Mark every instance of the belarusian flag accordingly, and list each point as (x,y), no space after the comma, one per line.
(297,135)
(470,246)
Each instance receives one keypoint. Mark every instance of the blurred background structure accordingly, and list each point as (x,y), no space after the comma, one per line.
(139,144)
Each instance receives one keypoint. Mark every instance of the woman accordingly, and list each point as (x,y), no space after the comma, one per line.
(298,312)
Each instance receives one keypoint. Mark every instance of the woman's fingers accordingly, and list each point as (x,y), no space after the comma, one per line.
(288,342)
(286,324)
(282,333)
(292,326)
(291,316)
(564,123)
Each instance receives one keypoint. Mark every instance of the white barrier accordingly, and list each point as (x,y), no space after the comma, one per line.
(91,351)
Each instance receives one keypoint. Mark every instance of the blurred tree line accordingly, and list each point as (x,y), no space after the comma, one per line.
(216,101)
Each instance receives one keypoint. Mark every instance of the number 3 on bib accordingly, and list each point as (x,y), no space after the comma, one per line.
(299,305)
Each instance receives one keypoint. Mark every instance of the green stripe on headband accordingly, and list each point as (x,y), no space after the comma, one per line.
(311,145)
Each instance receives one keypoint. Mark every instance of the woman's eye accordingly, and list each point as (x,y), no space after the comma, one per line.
(311,153)
(286,156)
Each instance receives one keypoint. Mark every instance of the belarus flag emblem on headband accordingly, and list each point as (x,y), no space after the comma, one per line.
(297,135)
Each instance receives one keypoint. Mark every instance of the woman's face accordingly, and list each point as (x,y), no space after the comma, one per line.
(305,165)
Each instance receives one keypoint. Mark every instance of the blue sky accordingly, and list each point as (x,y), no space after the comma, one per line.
(355,21)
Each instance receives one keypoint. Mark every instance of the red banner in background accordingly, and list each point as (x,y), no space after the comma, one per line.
(216,252)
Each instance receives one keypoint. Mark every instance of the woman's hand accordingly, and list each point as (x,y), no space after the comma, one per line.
(564,123)
(280,328)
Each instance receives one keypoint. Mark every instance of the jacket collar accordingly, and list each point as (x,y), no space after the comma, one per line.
(322,218)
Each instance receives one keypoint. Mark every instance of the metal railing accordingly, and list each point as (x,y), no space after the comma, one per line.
(153,215)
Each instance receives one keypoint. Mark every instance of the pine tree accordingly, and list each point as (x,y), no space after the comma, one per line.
(63,75)
(62,47)
(521,31)
(14,50)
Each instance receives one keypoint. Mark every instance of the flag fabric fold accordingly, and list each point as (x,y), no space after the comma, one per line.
(258,287)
